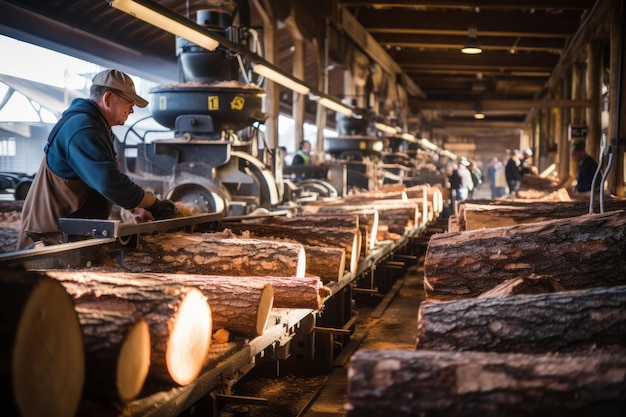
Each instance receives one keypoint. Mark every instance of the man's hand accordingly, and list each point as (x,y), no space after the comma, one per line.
(162,209)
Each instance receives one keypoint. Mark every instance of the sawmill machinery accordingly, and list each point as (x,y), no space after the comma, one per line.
(213,162)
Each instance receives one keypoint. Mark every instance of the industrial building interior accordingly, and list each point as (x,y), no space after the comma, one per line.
(395,102)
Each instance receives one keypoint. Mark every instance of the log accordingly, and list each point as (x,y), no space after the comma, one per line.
(288,292)
(580,252)
(406,214)
(327,263)
(41,347)
(239,306)
(117,353)
(338,221)
(487,214)
(347,239)
(399,383)
(179,317)
(567,321)
(212,253)
(369,197)
(367,216)
(402,213)
(432,195)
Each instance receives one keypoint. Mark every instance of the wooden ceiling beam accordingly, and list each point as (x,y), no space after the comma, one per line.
(488,23)
(504,43)
(494,105)
(472,5)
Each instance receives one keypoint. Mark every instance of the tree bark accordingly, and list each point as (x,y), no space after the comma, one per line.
(337,221)
(288,292)
(238,305)
(347,239)
(580,252)
(367,216)
(117,353)
(179,317)
(481,215)
(398,383)
(568,321)
(41,347)
(402,213)
(212,253)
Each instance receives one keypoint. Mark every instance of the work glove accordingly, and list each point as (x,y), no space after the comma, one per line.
(162,209)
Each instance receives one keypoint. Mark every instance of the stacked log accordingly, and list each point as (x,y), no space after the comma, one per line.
(519,320)
(238,306)
(178,317)
(41,347)
(581,321)
(117,353)
(439,383)
(367,216)
(581,252)
(480,214)
(347,239)
(337,221)
(288,292)
(212,254)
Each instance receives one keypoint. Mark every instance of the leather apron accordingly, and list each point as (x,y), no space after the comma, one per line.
(53,197)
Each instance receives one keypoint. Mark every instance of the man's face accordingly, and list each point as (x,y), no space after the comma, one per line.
(118,108)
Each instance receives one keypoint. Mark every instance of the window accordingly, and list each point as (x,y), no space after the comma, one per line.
(7,147)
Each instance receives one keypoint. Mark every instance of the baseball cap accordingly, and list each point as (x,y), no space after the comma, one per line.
(120,82)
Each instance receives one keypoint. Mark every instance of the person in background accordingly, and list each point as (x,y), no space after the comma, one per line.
(587,167)
(283,152)
(455,184)
(303,156)
(477,178)
(511,172)
(466,179)
(79,175)
(526,163)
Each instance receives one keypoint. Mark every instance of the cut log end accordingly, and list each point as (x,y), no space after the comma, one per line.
(301,269)
(190,338)
(134,361)
(265,307)
(48,355)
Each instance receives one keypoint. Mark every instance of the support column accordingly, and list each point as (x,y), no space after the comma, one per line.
(617,113)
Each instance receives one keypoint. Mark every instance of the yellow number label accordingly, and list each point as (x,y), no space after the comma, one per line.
(214,103)
(237,103)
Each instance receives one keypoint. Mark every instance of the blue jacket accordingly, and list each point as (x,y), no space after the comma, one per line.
(83,148)
(586,171)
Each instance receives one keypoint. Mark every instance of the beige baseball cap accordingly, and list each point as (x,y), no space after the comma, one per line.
(120,82)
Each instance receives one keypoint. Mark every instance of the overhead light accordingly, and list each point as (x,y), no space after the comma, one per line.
(426,144)
(164,19)
(472,46)
(478,113)
(282,79)
(386,128)
(335,106)
(409,137)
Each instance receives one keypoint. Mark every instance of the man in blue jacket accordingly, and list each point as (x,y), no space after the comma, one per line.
(79,175)
(586,171)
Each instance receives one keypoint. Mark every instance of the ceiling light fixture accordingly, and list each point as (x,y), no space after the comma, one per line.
(335,106)
(472,46)
(164,19)
(478,114)
(282,79)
